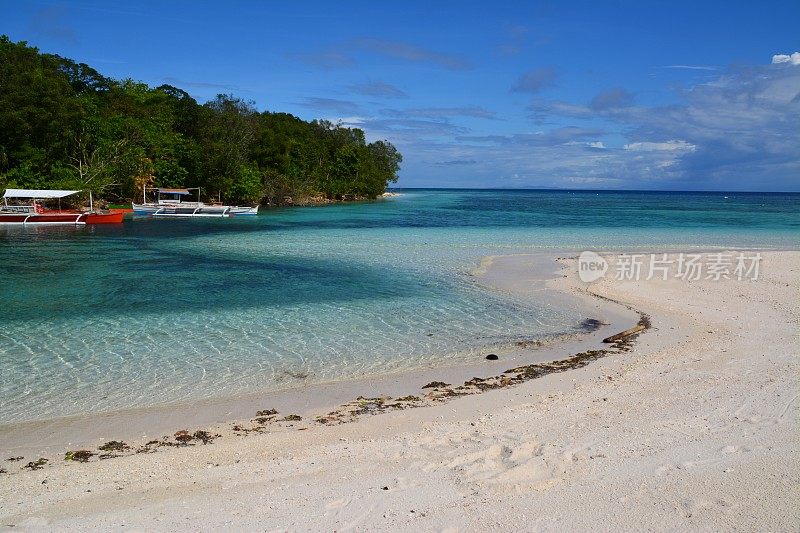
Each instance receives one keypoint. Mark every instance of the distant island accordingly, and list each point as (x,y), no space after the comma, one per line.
(63,125)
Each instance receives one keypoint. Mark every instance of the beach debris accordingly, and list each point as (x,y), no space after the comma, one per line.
(331,418)
(347,413)
(104,456)
(265,416)
(436,385)
(37,464)
(623,339)
(13,459)
(484,384)
(113,446)
(384,488)
(241,430)
(81,456)
(638,328)
(365,405)
(440,394)
(204,436)
(146,448)
(183,436)
(377,399)
(292,418)
(492,357)
(409,399)
(3,471)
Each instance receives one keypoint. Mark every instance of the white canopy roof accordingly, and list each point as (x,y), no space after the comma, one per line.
(36,193)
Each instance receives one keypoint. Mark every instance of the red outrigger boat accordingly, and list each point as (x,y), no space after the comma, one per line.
(36,213)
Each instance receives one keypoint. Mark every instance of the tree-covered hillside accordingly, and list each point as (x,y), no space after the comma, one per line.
(64,125)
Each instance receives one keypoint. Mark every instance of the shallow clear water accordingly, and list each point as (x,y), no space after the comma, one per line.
(158,311)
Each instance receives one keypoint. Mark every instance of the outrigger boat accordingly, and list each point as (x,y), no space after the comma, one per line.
(37,213)
(170,203)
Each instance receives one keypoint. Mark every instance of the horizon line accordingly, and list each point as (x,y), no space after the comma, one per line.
(594,190)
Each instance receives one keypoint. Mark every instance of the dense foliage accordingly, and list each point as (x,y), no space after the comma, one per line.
(64,125)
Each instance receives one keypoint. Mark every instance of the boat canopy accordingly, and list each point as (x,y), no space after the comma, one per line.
(173,191)
(40,194)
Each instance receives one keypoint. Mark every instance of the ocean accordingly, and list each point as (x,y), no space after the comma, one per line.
(153,312)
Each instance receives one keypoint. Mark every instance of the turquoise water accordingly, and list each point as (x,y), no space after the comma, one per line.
(159,311)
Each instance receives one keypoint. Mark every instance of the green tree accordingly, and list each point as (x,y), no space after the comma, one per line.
(65,125)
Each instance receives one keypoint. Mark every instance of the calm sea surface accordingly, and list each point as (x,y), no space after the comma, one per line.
(158,311)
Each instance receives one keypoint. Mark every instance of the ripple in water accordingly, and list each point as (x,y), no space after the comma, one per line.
(159,311)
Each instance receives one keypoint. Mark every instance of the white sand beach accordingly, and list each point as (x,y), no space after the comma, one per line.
(695,427)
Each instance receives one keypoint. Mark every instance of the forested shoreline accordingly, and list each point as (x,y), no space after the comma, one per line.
(63,125)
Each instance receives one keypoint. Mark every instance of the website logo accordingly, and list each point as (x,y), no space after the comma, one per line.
(591,266)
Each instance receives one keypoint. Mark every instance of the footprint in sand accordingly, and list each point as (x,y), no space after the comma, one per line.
(349,517)
(517,467)
(334,507)
(732,448)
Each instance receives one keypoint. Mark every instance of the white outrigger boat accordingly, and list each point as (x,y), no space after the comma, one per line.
(170,203)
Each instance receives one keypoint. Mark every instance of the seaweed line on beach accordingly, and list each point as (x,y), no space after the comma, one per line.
(437,392)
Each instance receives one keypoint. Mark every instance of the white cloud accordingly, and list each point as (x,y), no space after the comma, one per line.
(692,67)
(737,131)
(668,146)
(348,121)
(598,145)
(793,59)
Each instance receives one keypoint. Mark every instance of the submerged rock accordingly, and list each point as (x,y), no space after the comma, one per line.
(590,324)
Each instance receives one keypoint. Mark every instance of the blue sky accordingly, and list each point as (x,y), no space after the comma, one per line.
(619,95)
